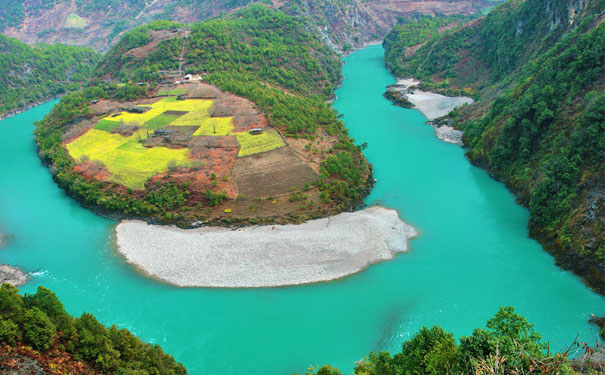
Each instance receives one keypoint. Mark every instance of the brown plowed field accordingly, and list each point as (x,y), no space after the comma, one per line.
(271,173)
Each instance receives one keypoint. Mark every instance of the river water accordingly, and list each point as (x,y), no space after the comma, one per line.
(473,255)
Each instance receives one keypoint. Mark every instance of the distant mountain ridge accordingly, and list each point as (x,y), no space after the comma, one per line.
(99,23)
(539,124)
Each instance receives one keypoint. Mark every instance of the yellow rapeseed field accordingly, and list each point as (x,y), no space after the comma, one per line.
(125,158)
(216,126)
(254,144)
(197,108)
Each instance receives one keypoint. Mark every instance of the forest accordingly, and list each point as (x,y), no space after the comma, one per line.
(539,123)
(37,326)
(29,74)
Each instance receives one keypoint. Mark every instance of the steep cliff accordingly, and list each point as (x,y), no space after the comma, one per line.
(539,124)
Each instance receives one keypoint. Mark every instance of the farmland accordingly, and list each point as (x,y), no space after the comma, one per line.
(254,144)
(138,143)
(129,163)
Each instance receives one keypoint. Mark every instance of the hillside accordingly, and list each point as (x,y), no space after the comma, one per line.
(248,139)
(37,336)
(29,74)
(99,24)
(539,124)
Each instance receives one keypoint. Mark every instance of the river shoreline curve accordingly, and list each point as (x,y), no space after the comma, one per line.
(265,256)
(433,106)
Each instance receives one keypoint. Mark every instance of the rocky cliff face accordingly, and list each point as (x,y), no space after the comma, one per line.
(343,24)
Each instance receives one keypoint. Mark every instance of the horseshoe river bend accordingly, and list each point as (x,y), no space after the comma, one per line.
(472,255)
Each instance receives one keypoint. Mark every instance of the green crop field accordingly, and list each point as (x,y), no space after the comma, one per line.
(174,92)
(254,144)
(125,158)
(194,106)
(159,121)
(107,125)
(216,126)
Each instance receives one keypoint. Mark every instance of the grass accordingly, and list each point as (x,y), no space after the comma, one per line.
(173,92)
(158,122)
(216,126)
(254,144)
(125,158)
(107,125)
(74,21)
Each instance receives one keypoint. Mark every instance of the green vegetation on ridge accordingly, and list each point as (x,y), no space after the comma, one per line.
(28,74)
(39,322)
(539,125)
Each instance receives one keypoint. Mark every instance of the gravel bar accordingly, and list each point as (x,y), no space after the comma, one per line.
(265,256)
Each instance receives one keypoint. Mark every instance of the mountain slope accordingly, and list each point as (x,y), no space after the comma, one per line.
(539,126)
(29,74)
(98,23)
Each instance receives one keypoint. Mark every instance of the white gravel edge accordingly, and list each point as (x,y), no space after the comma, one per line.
(432,105)
(264,256)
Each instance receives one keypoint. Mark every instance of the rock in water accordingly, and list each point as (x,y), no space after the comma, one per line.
(11,275)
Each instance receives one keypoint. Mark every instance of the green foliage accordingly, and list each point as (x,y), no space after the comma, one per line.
(412,32)
(509,339)
(37,320)
(214,199)
(38,331)
(421,354)
(48,302)
(28,74)
(9,331)
(256,41)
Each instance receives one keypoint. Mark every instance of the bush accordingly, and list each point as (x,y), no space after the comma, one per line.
(38,331)
(9,332)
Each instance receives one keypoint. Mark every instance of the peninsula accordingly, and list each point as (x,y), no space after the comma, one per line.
(174,129)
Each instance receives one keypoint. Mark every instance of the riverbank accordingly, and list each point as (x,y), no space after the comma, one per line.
(432,105)
(27,107)
(265,256)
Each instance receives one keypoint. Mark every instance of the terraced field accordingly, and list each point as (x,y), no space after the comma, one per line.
(133,147)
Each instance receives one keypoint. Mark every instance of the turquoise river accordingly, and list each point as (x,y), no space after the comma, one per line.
(473,255)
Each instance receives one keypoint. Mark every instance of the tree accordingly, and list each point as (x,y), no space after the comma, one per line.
(39,331)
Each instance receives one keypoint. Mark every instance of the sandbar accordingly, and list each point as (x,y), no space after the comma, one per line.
(432,105)
(264,256)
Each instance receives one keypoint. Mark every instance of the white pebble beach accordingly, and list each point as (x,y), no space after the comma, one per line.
(432,105)
(265,256)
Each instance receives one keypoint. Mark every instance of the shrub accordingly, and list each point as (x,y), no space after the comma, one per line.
(39,331)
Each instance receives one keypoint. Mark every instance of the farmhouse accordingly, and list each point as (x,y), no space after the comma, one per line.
(162,133)
(256,131)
